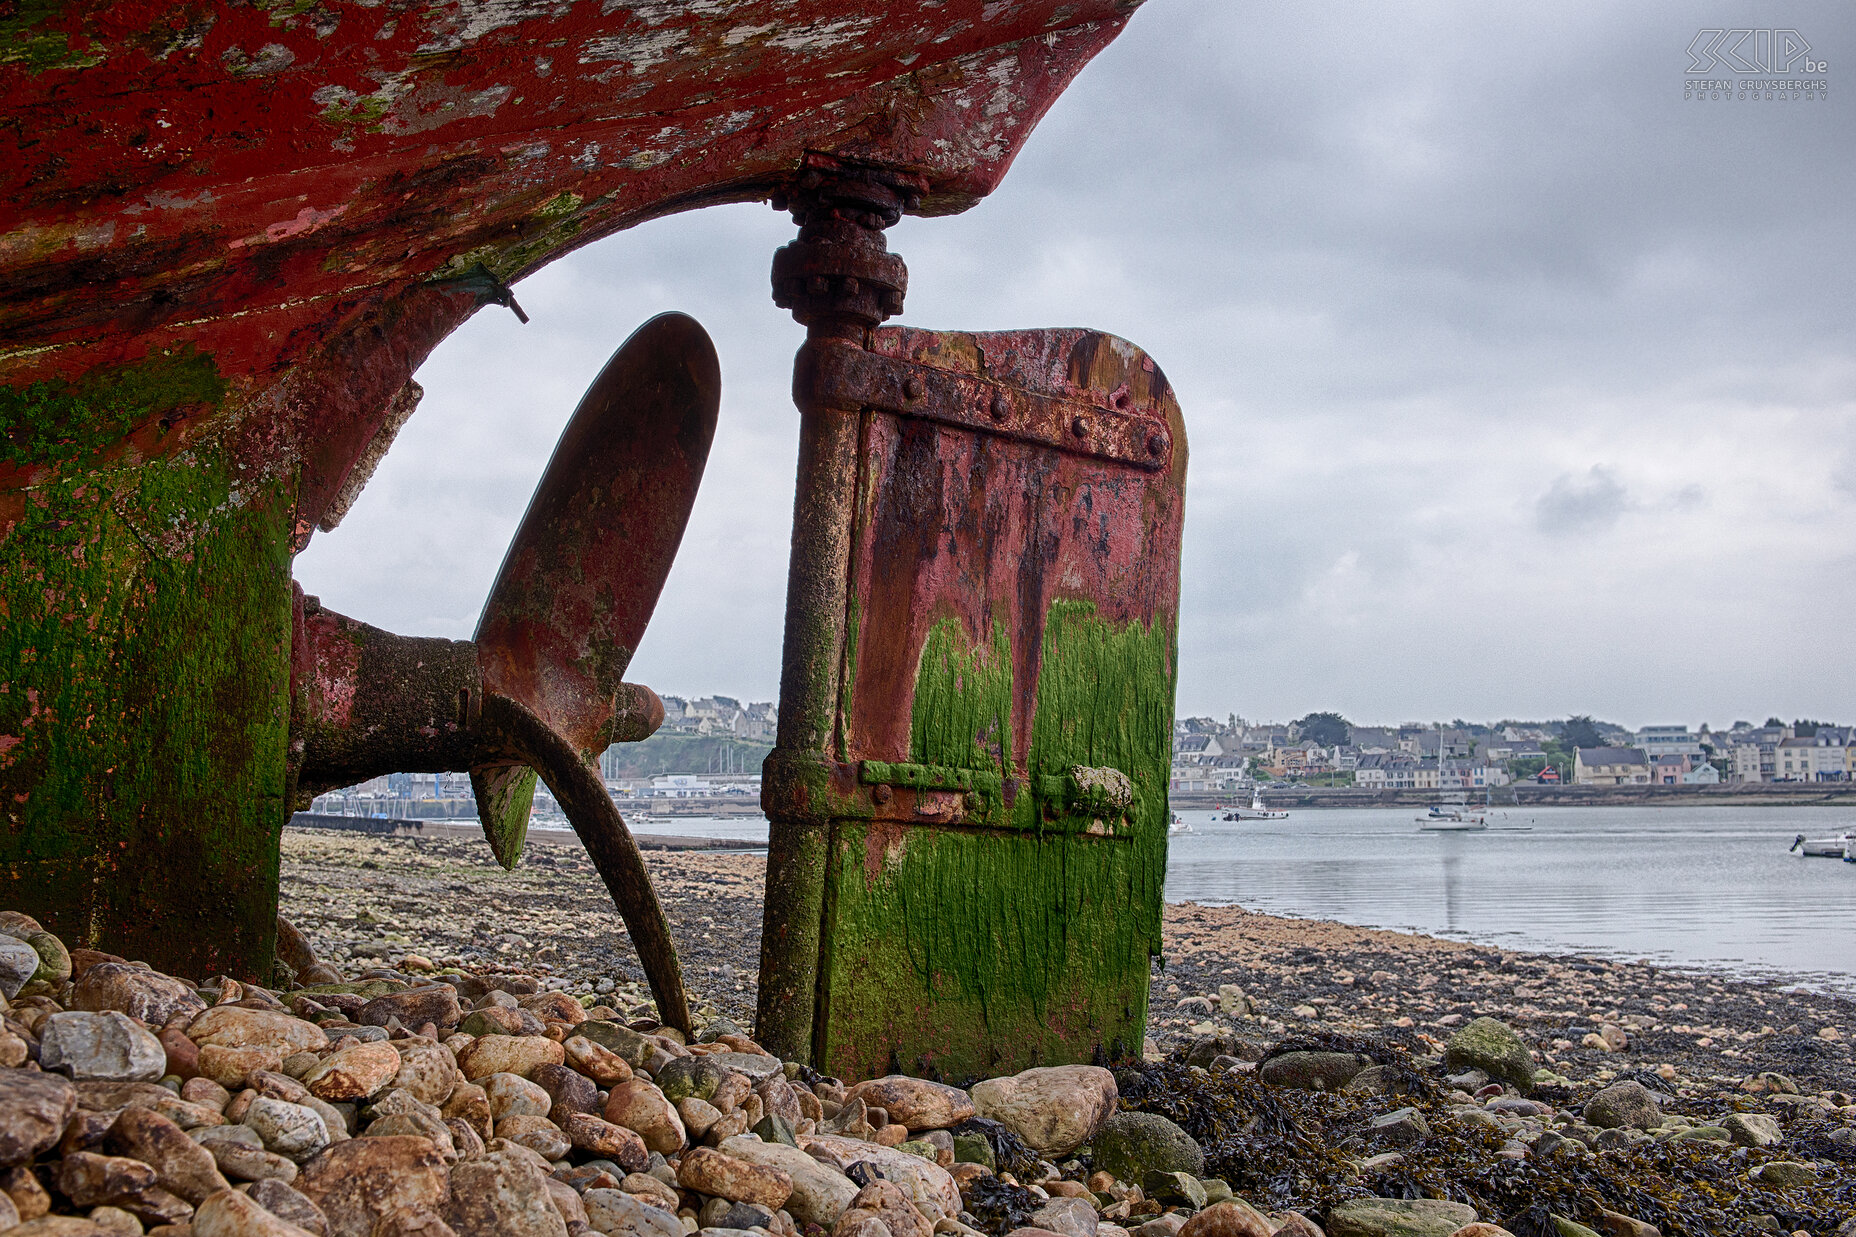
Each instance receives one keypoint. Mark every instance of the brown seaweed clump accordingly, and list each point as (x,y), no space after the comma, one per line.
(1286,1149)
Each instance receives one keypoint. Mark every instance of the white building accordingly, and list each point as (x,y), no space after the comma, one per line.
(680,786)
(1668,741)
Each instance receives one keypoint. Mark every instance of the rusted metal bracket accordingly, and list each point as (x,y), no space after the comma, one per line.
(837,375)
(838,278)
(540,690)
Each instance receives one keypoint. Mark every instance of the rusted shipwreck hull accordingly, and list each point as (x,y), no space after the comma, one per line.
(230,233)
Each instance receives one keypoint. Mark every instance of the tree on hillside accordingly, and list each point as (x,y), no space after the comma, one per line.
(1327,729)
(1581,731)
(1805,728)
(1773,721)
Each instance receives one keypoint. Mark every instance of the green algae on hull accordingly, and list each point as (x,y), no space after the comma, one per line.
(144,682)
(969,951)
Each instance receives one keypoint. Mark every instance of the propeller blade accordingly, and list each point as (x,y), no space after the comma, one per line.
(505,794)
(576,783)
(583,574)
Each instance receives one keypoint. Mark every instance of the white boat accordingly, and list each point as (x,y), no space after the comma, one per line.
(1256,810)
(1178,825)
(1840,847)
(1445,819)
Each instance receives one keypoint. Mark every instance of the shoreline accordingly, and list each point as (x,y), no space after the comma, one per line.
(359,896)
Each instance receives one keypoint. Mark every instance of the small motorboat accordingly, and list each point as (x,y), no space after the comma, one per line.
(1178,825)
(1256,810)
(1442,819)
(1840,847)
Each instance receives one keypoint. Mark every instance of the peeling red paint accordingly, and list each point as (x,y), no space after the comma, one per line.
(276,187)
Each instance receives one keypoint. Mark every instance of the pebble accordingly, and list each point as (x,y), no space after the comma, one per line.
(1753,1129)
(620,1215)
(1055,1109)
(34,1110)
(1312,1071)
(108,1046)
(538,1134)
(820,1193)
(358,1181)
(1624,1105)
(147,996)
(513,1095)
(1132,1144)
(505,1195)
(915,1102)
(1398,1217)
(508,1054)
(1490,1045)
(182,1166)
(714,1173)
(541,1109)
(1232,1219)
(234,1026)
(613,1142)
(639,1106)
(293,1130)
(19,962)
(1071,1217)
(354,1072)
(231,1214)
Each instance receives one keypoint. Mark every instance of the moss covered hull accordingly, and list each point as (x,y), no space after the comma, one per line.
(144,684)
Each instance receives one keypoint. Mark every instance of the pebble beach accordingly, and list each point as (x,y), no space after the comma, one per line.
(465,1050)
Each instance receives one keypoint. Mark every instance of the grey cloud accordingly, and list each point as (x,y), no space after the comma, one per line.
(1404,265)
(1582,504)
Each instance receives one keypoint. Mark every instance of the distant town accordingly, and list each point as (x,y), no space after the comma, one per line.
(710,748)
(1325,749)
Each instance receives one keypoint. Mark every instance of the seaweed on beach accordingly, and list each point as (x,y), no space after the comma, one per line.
(1288,1149)
(1011,1154)
(999,1206)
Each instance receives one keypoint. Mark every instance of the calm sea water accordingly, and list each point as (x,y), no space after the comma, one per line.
(1710,887)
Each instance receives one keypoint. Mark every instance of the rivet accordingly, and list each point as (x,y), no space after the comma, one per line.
(1155,444)
(1000,407)
(883,794)
(974,802)
(911,388)
(1079,427)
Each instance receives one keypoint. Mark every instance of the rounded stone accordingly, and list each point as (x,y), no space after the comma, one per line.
(1132,1144)
(354,1072)
(235,1026)
(1624,1105)
(1398,1217)
(1489,1045)
(1312,1071)
(508,1054)
(1055,1109)
(107,1046)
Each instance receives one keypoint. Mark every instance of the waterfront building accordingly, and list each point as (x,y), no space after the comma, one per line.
(1610,766)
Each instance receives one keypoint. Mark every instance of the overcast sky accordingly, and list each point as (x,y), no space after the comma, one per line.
(1516,384)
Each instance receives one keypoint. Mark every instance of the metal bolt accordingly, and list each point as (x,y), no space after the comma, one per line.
(1000,407)
(1155,444)
(911,388)
(1079,427)
(818,285)
(883,793)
